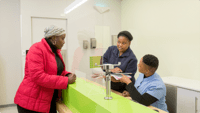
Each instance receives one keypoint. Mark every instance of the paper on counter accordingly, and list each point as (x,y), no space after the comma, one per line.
(119,76)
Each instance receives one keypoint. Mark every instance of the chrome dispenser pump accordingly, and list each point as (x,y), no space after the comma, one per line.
(107,68)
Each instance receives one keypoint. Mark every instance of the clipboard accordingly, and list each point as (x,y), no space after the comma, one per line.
(118,76)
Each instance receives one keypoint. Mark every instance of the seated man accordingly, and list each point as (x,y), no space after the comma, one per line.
(149,88)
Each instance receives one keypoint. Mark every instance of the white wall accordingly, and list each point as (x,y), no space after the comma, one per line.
(10,50)
(81,24)
(169,29)
(39,8)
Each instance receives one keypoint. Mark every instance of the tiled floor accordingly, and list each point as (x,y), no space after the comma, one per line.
(12,109)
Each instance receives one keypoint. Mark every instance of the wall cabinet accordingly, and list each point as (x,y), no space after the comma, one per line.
(188,101)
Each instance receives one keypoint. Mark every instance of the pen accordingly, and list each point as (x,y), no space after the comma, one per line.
(123,73)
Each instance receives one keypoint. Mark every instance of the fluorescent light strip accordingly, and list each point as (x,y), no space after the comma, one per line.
(74,5)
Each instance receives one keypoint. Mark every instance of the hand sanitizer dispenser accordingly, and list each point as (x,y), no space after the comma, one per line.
(85,44)
(93,43)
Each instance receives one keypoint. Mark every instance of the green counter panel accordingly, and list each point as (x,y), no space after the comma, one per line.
(86,97)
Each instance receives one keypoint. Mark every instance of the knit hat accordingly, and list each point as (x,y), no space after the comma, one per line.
(53,31)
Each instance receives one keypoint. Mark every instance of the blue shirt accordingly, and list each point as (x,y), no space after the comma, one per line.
(155,87)
(127,59)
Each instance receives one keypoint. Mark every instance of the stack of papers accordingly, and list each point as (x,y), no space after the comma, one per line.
(119,76)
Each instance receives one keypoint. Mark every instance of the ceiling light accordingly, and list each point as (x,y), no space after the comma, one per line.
(74,5)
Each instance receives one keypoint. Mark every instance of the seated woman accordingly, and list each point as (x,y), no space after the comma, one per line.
(121,53)
(149,88)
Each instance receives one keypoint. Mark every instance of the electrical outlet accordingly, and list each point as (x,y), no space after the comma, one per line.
(23,52)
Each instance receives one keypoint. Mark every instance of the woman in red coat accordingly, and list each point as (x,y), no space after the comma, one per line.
(45,74)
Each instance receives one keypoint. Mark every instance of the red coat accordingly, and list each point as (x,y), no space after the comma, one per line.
(36,90)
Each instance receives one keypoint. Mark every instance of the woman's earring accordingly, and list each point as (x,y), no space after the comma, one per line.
(54,43)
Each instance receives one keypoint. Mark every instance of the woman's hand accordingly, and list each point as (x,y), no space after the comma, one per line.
(71,78)
(116,70)
(125,94)
(125,79)
(112,79)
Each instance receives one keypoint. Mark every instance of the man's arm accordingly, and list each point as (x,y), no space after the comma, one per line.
(144,99)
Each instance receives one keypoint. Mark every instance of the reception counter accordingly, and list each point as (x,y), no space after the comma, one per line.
(88,97)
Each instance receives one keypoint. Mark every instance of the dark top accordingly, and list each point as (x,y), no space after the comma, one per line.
(128,64)
(60,68)
(127,59)
(145,99)
(60,65)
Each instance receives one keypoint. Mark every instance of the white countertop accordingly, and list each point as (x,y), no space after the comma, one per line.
(182,82)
